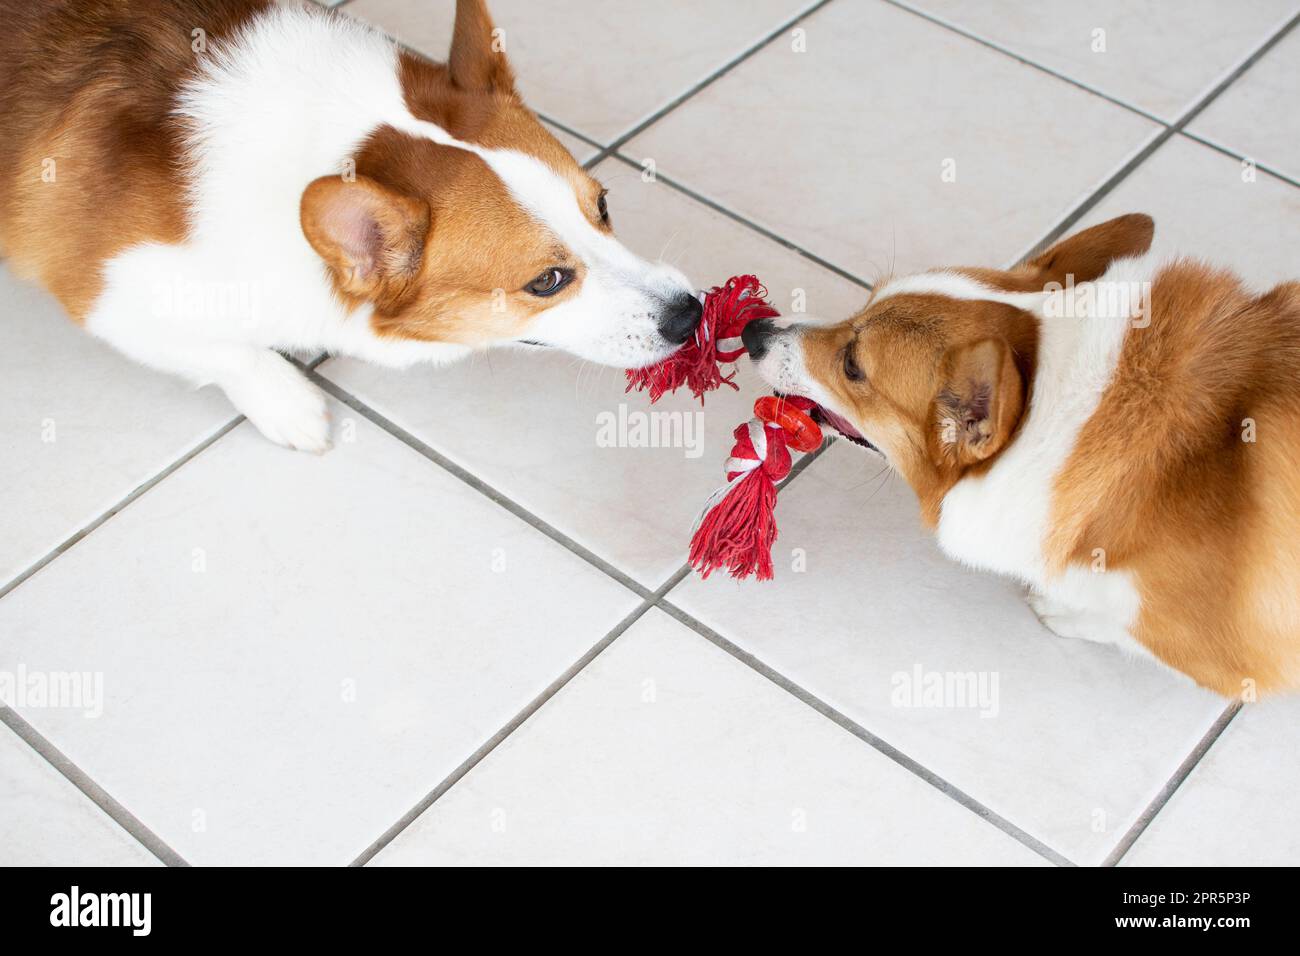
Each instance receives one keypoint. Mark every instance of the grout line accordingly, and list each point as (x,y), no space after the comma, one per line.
(709,80)
(804,463)
(748,223)
(601,155)
(1072,217)
(1023,59)
(866,736)
(650,600)
(93,791)
(1170,788)
(1226,151)
(478,484)
(1236,72)
(676,578)
(499,737)
(306,364)
(1161,137)
(565,128)
(140,490)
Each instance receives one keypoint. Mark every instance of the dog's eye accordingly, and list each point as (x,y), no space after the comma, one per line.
(602,208)
(851,370)
(549,282)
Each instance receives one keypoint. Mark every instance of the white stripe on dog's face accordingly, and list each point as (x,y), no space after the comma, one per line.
(954,285)
(615,317)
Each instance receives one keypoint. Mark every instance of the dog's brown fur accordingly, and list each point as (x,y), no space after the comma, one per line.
(1188,474)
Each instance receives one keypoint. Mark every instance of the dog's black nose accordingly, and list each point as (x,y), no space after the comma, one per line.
(680,317)
(756,336)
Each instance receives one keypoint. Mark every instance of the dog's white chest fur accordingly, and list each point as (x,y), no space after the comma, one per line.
(999,521)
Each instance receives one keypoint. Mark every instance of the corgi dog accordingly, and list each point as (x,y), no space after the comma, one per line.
(204,184)
(1118,431)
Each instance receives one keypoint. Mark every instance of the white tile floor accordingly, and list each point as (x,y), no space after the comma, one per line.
(465,634)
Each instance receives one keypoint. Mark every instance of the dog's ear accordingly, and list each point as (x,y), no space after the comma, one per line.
(1086,255)
(979,402)
(371,237)
(478,51)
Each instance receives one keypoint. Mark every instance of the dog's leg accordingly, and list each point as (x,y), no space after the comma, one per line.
(1098,624)
(1065,620)
(279,400)
(261,383)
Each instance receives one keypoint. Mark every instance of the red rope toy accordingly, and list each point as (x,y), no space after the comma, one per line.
(737,527)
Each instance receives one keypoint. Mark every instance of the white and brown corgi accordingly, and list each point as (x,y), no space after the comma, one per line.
(1119,432)
(204,182)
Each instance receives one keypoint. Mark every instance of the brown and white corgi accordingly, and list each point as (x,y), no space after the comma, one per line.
(203,183)
(1119,432)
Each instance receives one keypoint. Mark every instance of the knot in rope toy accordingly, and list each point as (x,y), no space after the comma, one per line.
(737,527)
(728,308)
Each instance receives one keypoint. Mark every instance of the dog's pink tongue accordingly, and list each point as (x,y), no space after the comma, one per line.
(840,423)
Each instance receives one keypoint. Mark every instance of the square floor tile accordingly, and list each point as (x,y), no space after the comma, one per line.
(599,68)
(893,144)
(1067,739)
(561,437)
(82,426)
(1204,208)
(46,821)
(1257,115)
(1161,56)
(1237,808)
(665,750)
(297,649)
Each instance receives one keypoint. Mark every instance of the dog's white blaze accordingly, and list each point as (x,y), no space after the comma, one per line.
(954,285)
(612,318)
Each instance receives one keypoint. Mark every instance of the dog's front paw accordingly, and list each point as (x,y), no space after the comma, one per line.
(1061,619)
(283,405)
